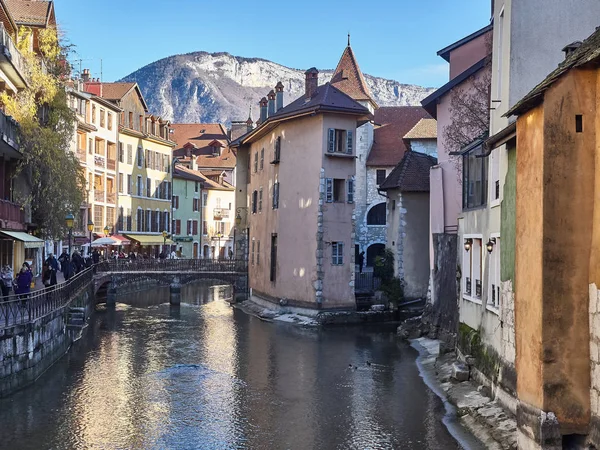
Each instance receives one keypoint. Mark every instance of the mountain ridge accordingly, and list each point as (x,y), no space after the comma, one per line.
(219,87)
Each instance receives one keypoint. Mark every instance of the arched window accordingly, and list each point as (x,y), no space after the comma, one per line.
(376,215)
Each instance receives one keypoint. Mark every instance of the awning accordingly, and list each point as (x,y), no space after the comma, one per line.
(123,239)
(149,239)
(29,240)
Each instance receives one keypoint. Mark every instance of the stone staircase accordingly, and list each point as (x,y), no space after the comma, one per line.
(76,321)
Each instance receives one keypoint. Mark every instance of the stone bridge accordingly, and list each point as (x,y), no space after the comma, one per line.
(114,275)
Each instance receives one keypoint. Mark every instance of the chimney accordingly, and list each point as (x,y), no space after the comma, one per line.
(279,95)
(194,163)
(263,109)
(271,97)
(312,82)
(570,49)
(85,75)
(249,125)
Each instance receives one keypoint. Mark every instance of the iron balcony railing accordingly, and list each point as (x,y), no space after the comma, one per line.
(9,128)
(11,211)
(366,282)
(173,265)
(11,53)
(20,309)
(220,213)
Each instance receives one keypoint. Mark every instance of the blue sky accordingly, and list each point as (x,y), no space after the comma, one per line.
(395,39)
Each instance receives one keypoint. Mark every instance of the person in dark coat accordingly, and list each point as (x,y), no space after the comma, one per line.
(96,256)
(77,262)
(66,267)
(361,261)
(62,259)
(52,262)
(24,279)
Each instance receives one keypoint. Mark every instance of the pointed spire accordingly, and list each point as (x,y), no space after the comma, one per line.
(348,39)
(348,78)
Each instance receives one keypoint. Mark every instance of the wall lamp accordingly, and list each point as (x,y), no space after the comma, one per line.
(468,244)
(490,245)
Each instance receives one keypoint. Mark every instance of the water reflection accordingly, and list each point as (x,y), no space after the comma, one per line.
(206,376)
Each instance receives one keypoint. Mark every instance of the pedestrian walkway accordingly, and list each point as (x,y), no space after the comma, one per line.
(38,281)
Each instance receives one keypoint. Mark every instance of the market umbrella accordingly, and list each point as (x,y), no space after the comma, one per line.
(105,241)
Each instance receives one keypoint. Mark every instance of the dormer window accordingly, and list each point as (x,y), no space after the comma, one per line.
(216,151)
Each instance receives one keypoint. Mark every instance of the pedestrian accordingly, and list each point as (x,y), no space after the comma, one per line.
(52,262)
(46,275)
(361,261)
(23,283)
(96,256)
(63,258)
(230,253)
(66,267)
(77,261)
(6,281)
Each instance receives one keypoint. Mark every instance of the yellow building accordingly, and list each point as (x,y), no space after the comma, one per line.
(144,163)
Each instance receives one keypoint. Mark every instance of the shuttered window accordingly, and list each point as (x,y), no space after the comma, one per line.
(276,195)
(350,190)
(329,190)
(331,140)
(349,141)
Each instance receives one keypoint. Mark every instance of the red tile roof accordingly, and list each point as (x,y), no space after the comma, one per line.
(391,124)
(116,91)
(349,79)
(198,137)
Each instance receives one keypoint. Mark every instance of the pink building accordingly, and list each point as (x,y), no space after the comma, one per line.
(295,177)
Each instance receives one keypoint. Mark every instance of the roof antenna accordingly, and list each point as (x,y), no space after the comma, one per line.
(250,112)
(348,39)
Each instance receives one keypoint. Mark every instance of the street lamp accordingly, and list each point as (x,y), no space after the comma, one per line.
(219,236)
(106,231)
(165,234)
(69,220)
(90,229)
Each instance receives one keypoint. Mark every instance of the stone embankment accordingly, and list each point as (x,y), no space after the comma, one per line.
(484,417)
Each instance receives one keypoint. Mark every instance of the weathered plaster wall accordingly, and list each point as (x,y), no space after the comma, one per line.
(507,223)
(416,244)
(594,319)
(426,146)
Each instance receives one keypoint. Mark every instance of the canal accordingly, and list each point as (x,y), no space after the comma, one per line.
(207,376)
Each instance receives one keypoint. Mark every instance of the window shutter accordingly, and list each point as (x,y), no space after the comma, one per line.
(195,227)
(349,141)
(329,190)
(331,140)
(179,227)
(276,195)
(350,190)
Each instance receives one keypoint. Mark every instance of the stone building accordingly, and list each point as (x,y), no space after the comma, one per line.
(295,176)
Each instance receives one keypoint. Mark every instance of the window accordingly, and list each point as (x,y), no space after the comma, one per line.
(276,195)
(189,226)
(196,204)
(121,152)
(177,226)
(350,190)
(120,183)
(129,153)
(340,141)
(109,119)
(380,176)
(93,113)
(148,220)
(337,253)
(277,153)
(167,220)
(260,198)
(140,157)
(472,268)
(140,187)
(131,120)
(262,158)
(337,191)
(128,224)
(376,215)
(140,220)
(204,227)
(255,162)
(578,123)
(273,271)
(102,120)
(258,253)
(218,202)
(252,251)
(474,179)
(204,199)
(494,283)
(148,187)
(175,201)
(195,227)
(254,201)
(90,146)
(196,186)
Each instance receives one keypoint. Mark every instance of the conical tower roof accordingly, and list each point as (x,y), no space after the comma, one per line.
(349,79)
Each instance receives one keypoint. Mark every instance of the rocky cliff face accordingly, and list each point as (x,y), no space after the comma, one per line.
(219,87)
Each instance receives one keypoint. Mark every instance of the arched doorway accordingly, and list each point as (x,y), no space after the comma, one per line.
(195,252)
(373,251)
(205,252)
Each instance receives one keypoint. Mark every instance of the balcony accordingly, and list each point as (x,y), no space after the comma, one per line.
(111,164)
(12,62)
(99,161)
(111,197)
(220,214)
(12,215)
(98,195)
(9,131)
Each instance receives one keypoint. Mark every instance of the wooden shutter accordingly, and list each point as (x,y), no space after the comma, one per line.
(276,195)
(329,190)
(349,141)
(350,189)
(331,140)
(195,230)
(178,226)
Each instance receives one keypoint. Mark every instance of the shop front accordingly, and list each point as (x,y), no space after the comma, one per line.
(149,245)
(17,247)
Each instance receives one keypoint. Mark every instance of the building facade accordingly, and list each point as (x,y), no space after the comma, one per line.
(187,211)
(299,169)
(144,155)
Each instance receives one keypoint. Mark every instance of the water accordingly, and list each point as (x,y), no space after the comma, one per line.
(206,376)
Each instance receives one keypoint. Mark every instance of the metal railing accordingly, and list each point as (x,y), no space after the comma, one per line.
(9,129)
(99,161)
(19,309)
(220,213)
(173,265)
(111,197)
(366,282)
(11,211)
(98,195)
(16,58)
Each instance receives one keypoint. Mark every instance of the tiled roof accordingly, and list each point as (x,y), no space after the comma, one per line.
(116,91)
(200,136)
(327,97)
(391,124)
(411,174)
(445,52)
(424,129)
(196,175)
(588,52)
(30,12)
(348,77)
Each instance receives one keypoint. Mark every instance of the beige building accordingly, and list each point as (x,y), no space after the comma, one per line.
(295,176)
